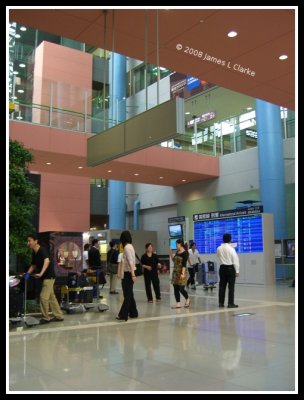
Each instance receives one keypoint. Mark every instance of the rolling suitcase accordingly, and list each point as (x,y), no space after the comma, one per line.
(210,275)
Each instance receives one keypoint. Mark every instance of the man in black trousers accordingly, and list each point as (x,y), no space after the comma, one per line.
(229,269)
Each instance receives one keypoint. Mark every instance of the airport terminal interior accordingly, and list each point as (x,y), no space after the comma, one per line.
(135,122)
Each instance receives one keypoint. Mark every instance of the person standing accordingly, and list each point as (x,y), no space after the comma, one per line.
(179,276)
(44,269)
(128,308)
(150,262)
(229,269)
(85,256)
(112,262)
(194,260)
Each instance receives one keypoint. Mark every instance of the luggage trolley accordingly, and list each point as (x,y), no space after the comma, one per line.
(84,295)
(27,320)
(209,275)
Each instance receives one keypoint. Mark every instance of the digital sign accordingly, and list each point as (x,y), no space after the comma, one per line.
(246,231)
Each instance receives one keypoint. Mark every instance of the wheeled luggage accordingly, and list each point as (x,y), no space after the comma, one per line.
(210,277)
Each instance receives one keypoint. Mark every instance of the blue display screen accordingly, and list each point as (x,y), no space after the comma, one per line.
(175,230)
(246,231)
(172,244)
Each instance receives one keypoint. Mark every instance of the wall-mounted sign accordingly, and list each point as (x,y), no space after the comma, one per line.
(228,213)
(176,219)
(202,118)
(192,82)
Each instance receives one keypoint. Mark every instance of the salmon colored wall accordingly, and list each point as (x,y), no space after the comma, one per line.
(70,71)
(49,139)
(64,203)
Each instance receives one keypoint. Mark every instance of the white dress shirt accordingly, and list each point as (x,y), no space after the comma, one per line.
(228,256)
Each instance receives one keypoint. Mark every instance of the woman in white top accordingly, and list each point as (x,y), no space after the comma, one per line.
(127,267)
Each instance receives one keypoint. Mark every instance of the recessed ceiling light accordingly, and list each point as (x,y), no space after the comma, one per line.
(109,170)
(20,91)
(183,180)
(48,163)
(15,72)
(23,28)
(22,65)
(232,34)
(161,177)
(17,36)
(187,113)
(283,57)
(14,97)
(80,167)
(98,185)
(136,174)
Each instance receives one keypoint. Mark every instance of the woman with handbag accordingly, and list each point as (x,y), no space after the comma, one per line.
(127,267)
(150,263)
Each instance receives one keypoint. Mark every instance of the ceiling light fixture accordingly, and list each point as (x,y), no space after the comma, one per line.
(136,174)
(183,180)
(15,72)
(20,91)
(48,163)
(187,113)
(80,167)
(249,108)
(22,65)
(109,170)
(161,177)
(283,57)
(17,36)
(232,34)
(23,28)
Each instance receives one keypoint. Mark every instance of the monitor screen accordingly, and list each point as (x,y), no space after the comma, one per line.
(246,231)
(172,243)
(175,231)
(290,248)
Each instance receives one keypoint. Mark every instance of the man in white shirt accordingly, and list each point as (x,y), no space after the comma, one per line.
(229,269)
(193,262)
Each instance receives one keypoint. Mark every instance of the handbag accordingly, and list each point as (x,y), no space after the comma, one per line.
(139,267)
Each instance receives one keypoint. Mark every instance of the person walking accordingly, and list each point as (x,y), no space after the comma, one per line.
(44,269)
(179,276)
(229,269)
(194,260)
(127,267)
(150,262)
(112,263)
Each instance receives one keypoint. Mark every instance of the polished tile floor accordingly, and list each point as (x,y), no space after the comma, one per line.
(200,349)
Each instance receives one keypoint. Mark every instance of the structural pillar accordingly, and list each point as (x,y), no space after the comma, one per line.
(117,189)
(271,164)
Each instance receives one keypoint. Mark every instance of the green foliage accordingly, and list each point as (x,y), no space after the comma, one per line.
(22,199)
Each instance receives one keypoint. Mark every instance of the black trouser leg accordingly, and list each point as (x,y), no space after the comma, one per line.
(176,293)
(191,276)
(128,306)
(155,283)
(183,292)
(231,282)
(223,284)
(147,277)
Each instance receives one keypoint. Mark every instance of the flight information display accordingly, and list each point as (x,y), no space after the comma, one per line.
(246,231)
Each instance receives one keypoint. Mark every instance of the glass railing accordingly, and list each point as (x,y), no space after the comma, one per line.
(67,107)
